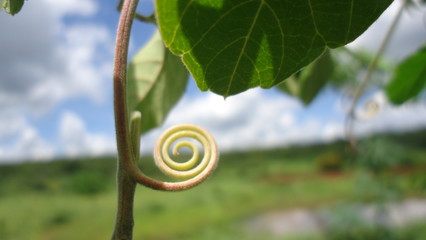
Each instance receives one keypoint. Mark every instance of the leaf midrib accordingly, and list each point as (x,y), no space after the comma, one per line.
(244,47)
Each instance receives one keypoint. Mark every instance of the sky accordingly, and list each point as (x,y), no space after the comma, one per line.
(56,88)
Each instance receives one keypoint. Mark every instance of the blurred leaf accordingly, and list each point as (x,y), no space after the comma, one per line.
(310,81)
(347,65)
(230,46)
(156,81)
(315,76)
(291,85)
(415,3)
(409,78)
(12,6)
(350,65)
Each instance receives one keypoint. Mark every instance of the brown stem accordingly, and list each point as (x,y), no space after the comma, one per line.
(126,184)
(137,16)
(124,220)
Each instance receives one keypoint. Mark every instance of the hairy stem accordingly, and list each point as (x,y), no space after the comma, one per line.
(126,184)
(128,141)
(137,16)
(363,84)
(124,220)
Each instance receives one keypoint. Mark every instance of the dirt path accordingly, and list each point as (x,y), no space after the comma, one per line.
(303,221)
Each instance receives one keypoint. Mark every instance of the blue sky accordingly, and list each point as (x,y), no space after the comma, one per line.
(56,88)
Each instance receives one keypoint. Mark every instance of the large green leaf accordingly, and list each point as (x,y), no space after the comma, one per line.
(310,81)
(156,81)
(12,6)
(409,78)
(230,46)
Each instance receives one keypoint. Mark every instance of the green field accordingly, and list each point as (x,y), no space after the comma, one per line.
(75,199)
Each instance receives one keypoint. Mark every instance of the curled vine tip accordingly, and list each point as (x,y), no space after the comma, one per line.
(189,173)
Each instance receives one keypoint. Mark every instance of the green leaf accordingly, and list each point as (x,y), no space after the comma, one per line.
(156,81)
(230,46)
(309,82)
(347,65)
(315,77)
(12,6)
(409,78)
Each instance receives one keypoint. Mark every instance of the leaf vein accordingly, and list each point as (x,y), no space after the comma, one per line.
(180,21)
(314,21)
(282,41)
(250,31)
(215,23)
(350,21)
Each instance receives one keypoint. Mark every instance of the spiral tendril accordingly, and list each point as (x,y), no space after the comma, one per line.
(186,169)
(188,173)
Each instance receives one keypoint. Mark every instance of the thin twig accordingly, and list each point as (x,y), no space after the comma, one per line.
(349,124)
(147,19)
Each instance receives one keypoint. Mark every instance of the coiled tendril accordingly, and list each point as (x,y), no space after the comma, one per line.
(189,173)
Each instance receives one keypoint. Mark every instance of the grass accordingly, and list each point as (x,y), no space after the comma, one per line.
(51,200)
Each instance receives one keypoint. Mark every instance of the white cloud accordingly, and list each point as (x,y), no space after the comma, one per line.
(45,61)
(332,131)
(19,140)
(409,35)
(76,140)
(71,7)
(84,76)
(255,118)
(408,116)
(264,119)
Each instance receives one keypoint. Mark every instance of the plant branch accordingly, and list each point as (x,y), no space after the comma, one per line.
(126,184)
(363,84)
(148,19)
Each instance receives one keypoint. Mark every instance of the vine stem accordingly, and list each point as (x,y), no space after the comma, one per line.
(128,141)
(125,182)
(367,76)
(140,17)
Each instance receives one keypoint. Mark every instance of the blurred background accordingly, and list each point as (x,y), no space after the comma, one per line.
(287,170)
